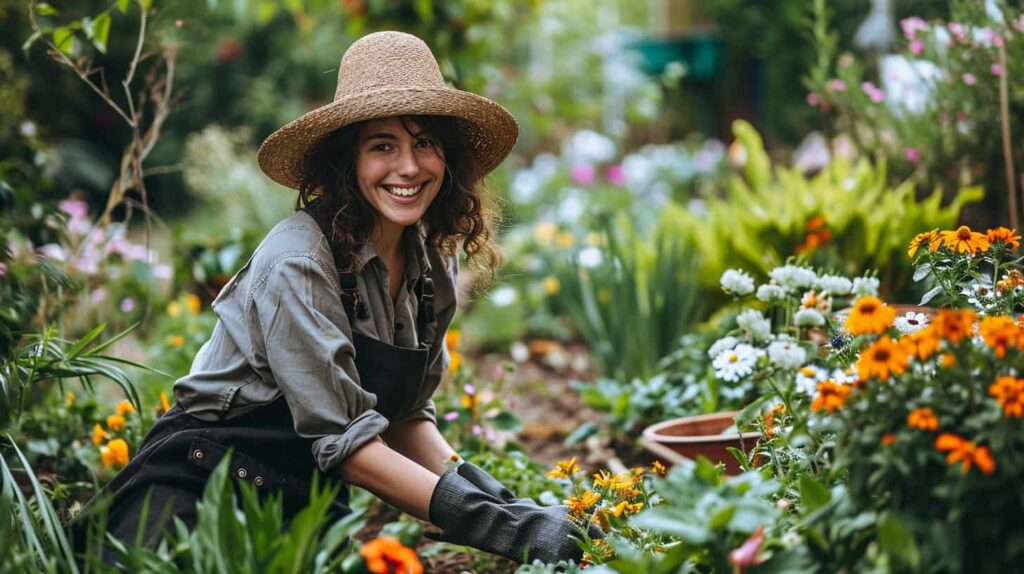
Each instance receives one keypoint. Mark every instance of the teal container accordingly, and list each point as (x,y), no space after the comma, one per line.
(700,53)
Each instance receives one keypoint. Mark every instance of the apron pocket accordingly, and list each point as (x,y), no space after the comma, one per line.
(207,454)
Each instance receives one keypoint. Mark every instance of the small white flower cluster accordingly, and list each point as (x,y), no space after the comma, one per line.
(793,278)
(737,282)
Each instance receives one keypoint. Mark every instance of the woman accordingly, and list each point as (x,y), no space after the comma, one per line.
(330,341)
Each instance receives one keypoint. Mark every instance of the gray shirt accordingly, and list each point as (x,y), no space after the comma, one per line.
(282,330)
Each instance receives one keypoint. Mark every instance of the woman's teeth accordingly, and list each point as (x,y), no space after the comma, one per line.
(402,191)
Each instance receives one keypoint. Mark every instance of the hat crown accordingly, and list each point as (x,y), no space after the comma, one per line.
(387,60)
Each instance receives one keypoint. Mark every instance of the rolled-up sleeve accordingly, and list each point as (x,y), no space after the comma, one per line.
(309,350)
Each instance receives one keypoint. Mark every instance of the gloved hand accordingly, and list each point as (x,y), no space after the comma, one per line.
(516,530)
(487,483)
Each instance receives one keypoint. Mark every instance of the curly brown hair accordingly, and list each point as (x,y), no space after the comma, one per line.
(461,214)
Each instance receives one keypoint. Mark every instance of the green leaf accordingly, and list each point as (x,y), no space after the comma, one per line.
(898,543)
(122,5)
(506,421)
(722,517)
(669,521)
(922,271)
(813,494)
(64,39)
(931,294)
(101,31)
(44,9)
(30,41)
(581,433)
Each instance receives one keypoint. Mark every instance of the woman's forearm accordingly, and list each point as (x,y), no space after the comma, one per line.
(421,441)
(391,476)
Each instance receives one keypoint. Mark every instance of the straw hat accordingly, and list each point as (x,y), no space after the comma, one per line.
(389,74)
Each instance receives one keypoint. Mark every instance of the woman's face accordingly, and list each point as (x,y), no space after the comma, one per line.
(398,172)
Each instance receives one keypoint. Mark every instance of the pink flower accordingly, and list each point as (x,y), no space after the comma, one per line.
(913,155)
(75,208)
(813,100)
(1018,24)
(127,305)
(997,70)
(470,389)
(911,26)
(873,92)
(3,269)
(477,430)
(746,554)
(958,31)
(615,175)
(451,416)
(837,85)
(969,79)
(916,47)
(582,173)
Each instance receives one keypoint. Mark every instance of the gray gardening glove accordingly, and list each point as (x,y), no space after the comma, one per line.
(487,483)
(471,517)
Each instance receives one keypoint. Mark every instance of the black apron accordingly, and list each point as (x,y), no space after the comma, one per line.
(180,451)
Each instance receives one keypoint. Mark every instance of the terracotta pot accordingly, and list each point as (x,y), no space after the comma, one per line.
(676,440)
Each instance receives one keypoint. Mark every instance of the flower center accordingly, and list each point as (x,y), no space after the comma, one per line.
(733,357)
(964,233)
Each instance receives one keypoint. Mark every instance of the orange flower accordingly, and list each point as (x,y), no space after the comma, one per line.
(1009,391)
(455,361)
(815,223)
(999,333)
(193,303)
(1012,279)
(115,422)
(176,341)
(115,453)
(658,468)
(564,469)
(831,395)
(769,419)
(924,419)
(955,324)
(165,405)
(888,439)
(882,358)
(125,408)
(452,338)
(922,344)
(1005,236)
(931,238)
(965,452)
(947,360)
(578,506)
(386,555)
(870,315)
(98,434)
(963,240)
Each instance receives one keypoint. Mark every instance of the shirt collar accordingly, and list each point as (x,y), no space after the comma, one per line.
(413,241)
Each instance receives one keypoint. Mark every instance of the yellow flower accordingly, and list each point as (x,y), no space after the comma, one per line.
(173,309)
(176,341)
(125,408)
(1003,235)
(882,358)
(924,419)
(115,453)
(614,483)
(551,285)
(469,401)
(98,434)
(193,304)
(870,315)
(455,361)
(165,405)
(931,238)
(544,233)
(578,506)
(658,468)
(115,422)
(963,240)
(564,239)
(69,399)
(565,469)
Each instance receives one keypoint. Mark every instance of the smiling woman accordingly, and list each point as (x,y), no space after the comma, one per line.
(330,341)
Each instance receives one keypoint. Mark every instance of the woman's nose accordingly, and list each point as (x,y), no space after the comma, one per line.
(408,163)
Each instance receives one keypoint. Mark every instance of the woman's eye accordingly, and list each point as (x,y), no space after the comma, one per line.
(381,147)
(424,143)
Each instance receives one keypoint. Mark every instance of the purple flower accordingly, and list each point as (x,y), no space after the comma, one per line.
(127,305)
(451,416)
(911,26)
(997,70)
(913,155)
(582,173)
(916,47)
(477,430)
(470,389)
(615,174)
(969,79)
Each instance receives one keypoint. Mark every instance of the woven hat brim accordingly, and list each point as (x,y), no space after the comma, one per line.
(490,130)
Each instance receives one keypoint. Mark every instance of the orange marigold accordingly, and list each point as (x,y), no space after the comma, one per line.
(922,344)
(98,434)
(125,407)
(881,359)
(1005,236)
(930,238)
(999,333)
(578,506)
(658,468)
(888,439)
(1011,280)
(924,419)
(963,240)
(115,453)
(870,315)
(831,395)
(452,338)
(385,555)
(115,422)
(965,452)
(955,324)
(564,469)
(1009,391)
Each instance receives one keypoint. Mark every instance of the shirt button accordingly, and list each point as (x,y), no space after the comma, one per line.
(258,481)
(242,473)
(198,454)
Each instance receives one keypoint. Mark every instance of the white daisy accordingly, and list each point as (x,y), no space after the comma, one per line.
(911,322)
(808,377)
(736,363)
(755,325)
(724,344)
(737,282)
(787,354)
(846,376)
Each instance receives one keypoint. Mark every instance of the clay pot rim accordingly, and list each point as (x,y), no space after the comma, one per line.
(652,433)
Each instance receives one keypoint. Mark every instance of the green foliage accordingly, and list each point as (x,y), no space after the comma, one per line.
(770,212)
